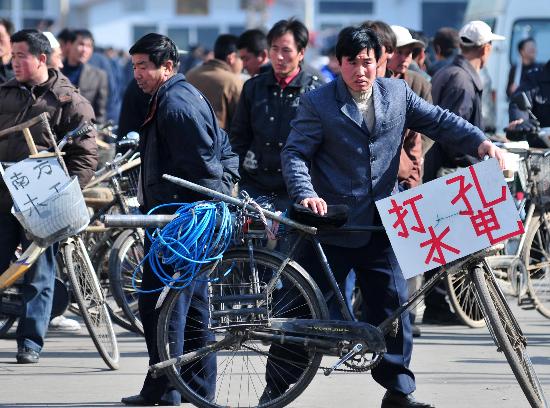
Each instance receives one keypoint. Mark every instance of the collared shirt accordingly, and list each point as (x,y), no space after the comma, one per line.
(283,82)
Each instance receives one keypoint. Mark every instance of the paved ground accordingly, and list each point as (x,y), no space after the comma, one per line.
(455,367)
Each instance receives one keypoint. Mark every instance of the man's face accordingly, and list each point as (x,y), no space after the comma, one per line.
(528,52)
(359,73)
(5,45)
(26,66)
(149,78)
(235,62)
(284,55)
(81,50)
(383,62)
(485,53)
(56,59)
(251,62)
(401,59)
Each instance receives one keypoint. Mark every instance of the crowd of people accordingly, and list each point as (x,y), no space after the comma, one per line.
(377,118)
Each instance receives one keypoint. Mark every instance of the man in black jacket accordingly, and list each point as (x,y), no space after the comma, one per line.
(267,105)
(537,89)
(180,137)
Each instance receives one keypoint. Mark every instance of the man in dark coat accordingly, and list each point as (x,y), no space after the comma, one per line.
(180,137)
(91,81)
(35,90)
(267,105)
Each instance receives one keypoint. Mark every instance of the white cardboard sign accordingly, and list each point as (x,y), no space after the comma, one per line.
(449,218)
(33,181)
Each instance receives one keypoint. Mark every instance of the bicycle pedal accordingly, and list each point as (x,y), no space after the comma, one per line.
(356,349)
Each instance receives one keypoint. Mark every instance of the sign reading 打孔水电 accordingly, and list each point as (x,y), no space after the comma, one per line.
(449,218)
(32,181)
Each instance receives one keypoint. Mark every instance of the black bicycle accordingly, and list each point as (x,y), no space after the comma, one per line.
(267,317)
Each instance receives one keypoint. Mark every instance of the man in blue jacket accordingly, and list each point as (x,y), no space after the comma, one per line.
(180,136)
(344,148)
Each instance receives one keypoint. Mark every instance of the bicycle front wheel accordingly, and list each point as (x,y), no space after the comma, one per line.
(126,255)
(507,334)
(536,257)
(236,375)
(461,293)
(91,301)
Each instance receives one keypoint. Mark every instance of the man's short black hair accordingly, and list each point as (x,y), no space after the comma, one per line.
(82,32)
(225,45)
(296,27)
(66,35)
(159,48)
(446,39)
(253,40)
(522,43)
(352,40)
(7,24)
(420,36)
(38,43)
(384,32)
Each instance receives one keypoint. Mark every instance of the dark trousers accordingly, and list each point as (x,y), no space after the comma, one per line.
(189,314)
(383,287)
(37,288)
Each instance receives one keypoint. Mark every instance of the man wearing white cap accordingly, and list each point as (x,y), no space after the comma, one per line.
(458,88)
(55,59)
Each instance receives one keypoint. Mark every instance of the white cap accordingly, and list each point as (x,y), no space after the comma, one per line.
(404,37)
(477,33)
(51,38)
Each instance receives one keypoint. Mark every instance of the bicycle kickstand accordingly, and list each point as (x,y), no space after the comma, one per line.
(353,351)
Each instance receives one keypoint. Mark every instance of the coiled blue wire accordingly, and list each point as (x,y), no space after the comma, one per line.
(192,239)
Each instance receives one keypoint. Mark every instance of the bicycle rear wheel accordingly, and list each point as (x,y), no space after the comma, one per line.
(91,301)
(507,334)
(461,293)
(126,254)
(239,377)
(536,256)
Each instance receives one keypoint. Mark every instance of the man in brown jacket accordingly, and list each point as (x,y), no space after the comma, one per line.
(415,145)
(35,90)
(219,79)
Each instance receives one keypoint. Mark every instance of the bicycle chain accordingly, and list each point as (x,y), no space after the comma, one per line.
(351,368)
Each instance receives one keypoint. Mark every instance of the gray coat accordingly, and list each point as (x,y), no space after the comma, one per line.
(331,154)
(94,86)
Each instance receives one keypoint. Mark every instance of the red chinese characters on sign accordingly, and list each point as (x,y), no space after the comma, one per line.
(484,221)
(401,213)
(435,243)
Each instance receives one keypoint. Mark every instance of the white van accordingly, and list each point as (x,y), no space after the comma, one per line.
(516,20)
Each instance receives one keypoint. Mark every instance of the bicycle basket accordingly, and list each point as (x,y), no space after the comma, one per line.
(237,304)
(62,215)
(129,186)
(540,168)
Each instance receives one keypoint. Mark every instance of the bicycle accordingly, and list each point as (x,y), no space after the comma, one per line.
(66,206)
(261,302)
(525,268)
(121,176)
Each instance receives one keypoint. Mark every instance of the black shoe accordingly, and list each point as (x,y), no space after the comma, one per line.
(26,355)
(440,316)
(398,400)
(416,331)
(270,393)
(140,401)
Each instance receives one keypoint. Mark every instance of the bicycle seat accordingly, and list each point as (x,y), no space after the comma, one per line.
(336,216)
